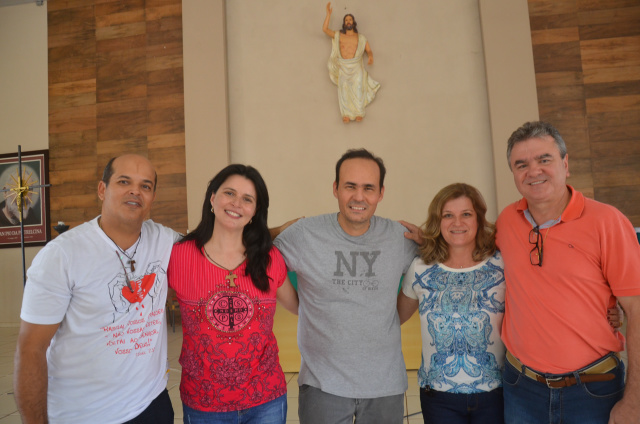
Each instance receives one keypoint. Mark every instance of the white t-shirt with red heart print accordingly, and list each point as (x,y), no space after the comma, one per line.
(108,359)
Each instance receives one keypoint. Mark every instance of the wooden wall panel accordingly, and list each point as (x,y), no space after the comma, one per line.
(612,22)
(72,111)
(115,86)
(587,63)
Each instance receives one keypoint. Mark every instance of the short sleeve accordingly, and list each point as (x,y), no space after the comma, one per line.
(172,268)
(278,267)
(410,278)
(289,243)
(176,236)
(48,291)
(621,256)
(409,248)
(410,251)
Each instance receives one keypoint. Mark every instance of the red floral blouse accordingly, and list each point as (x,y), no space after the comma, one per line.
(229,353)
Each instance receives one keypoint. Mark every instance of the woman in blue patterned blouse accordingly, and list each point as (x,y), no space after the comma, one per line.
(457,284)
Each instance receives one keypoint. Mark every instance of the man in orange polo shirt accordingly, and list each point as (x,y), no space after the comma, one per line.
(566,259)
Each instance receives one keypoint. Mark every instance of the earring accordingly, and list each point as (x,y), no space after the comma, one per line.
(251,221)
(211,208)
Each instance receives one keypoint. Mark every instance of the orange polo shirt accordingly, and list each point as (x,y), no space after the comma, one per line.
(555,317)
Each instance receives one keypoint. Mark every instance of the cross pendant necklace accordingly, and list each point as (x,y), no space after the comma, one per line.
(229,278)
(131,262)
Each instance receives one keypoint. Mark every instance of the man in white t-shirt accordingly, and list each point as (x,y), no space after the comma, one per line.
(92,343)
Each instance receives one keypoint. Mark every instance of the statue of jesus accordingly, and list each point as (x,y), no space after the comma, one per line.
(346,69)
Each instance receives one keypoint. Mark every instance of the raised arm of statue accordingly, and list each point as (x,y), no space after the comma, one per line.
(325,26)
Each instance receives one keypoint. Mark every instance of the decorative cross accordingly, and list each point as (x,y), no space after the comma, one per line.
(233,311)
(22,189)
(231,278)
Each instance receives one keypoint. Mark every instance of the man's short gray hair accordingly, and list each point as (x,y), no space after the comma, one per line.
(535,129)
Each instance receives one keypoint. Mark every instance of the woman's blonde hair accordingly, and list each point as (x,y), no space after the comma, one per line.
(435,249)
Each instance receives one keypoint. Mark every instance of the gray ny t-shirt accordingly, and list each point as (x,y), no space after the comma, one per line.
(348,327)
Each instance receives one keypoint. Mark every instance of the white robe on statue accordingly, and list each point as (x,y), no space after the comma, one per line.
(355,89)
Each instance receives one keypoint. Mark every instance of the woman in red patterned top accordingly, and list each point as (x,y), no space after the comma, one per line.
(227,276)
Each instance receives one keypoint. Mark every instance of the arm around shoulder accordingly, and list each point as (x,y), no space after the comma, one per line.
(275,232)
(30,378)
(413,232)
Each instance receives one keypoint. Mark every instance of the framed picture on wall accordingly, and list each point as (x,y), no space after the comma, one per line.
(35,203)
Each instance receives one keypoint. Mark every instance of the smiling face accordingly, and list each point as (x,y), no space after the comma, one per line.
(540,174)
(128,197)
(235,202)
(358,192)
(459,223)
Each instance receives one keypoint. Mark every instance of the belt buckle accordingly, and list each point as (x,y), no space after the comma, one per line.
(553,380)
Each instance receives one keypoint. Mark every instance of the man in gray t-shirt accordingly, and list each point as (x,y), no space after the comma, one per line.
(349,266)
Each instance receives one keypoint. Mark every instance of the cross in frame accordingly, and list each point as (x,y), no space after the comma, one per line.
(22,190)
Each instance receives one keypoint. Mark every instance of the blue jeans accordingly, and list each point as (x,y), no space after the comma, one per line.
(461,408)
(527,401)
(272,412)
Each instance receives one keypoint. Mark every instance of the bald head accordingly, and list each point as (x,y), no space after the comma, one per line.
(127,159)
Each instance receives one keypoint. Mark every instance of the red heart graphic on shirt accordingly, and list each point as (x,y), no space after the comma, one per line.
(140,289)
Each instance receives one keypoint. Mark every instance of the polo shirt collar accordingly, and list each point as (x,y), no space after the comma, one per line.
(573,210)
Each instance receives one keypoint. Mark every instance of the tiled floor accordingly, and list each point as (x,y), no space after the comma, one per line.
(9,414)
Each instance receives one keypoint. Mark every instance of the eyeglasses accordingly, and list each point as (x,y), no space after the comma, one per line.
(535,256)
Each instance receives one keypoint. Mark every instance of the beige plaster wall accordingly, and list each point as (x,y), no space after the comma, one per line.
(511,82)
(23,120)
(205,98)
(429,121)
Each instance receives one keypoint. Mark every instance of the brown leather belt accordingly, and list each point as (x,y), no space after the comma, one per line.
(597,372)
